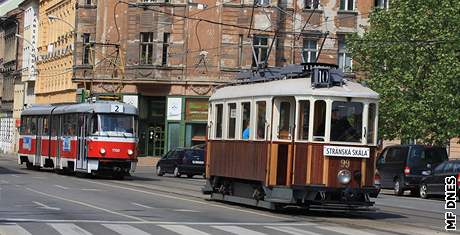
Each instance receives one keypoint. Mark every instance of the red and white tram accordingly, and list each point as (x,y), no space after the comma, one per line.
(85,137)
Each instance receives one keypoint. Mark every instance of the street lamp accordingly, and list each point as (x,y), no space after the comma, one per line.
(53,17)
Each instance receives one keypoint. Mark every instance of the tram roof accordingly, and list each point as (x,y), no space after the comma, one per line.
(292,87)
(96,107)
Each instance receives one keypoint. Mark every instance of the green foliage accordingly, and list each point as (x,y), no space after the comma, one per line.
(411,56)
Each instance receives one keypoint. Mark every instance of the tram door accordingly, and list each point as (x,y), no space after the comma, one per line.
(82,160)
(282,141)
(38,122)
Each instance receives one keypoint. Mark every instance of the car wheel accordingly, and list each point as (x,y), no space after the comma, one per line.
(423,191)
(398,190)
(176,172)
(159,171)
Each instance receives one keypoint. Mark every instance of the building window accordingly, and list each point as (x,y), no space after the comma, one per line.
(345,62)
(381,4)
(86,48)
(164,58)
(347,5)
(309,50)
(260,47)
(146,55)
(240,50)
(311,4)
(262,2)
(88,2)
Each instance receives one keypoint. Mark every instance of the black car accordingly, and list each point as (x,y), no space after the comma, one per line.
(434,181)
(182,161)
(400,166)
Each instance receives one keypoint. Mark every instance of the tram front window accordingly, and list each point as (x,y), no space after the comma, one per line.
(116,125)
(346,121)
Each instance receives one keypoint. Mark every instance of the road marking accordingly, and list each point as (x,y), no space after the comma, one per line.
(17,176)
(13,229)
(238,230)
(87,205)
(4,182)
(185,210)
(138,204)
(90,189)
(184,230)
(185,199)
(291,230)
(39,177)
(125,229)
(59,186)
(43,206)
(344,230)
(69,229)
(22,220)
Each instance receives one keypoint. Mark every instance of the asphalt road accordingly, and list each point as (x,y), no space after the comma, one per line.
(42,202)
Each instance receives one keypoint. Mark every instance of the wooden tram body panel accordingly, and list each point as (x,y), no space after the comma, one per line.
(306,165)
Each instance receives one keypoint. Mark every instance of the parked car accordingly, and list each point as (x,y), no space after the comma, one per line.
(182,161)
(433,183)
(400,166)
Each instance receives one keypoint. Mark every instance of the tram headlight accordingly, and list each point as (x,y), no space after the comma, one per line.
(130,152)
(344,176)
(102,151)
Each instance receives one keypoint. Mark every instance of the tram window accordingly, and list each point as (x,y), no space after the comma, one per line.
(33,126)
(231,121)
(285,117)
(219,116)
(319,120)
(46,126)
(261,119)
(371,123)
(94,127)
(246,114)
(346,121)
(54,125)
(69,124)
(23,127)
(304,119)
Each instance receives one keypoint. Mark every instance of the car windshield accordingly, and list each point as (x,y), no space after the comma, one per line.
(195,153)
(116,125)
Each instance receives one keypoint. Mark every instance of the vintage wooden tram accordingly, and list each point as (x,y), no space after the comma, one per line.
(85,137)
(299,135)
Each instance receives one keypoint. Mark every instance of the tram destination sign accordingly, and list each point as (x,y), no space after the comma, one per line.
(343,151)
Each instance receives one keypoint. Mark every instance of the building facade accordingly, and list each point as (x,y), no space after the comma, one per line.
(56,39)
(11,24)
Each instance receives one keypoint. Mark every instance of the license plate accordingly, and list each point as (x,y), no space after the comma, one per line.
(198,162)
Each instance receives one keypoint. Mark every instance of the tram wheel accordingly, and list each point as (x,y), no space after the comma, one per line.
(189,176)
(29,166)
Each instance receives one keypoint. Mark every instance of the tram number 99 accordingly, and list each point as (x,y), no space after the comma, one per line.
(116,108)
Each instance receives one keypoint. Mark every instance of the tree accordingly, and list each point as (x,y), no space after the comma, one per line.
(410,55)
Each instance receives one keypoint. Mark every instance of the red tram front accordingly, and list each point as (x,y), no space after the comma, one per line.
(98,137)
